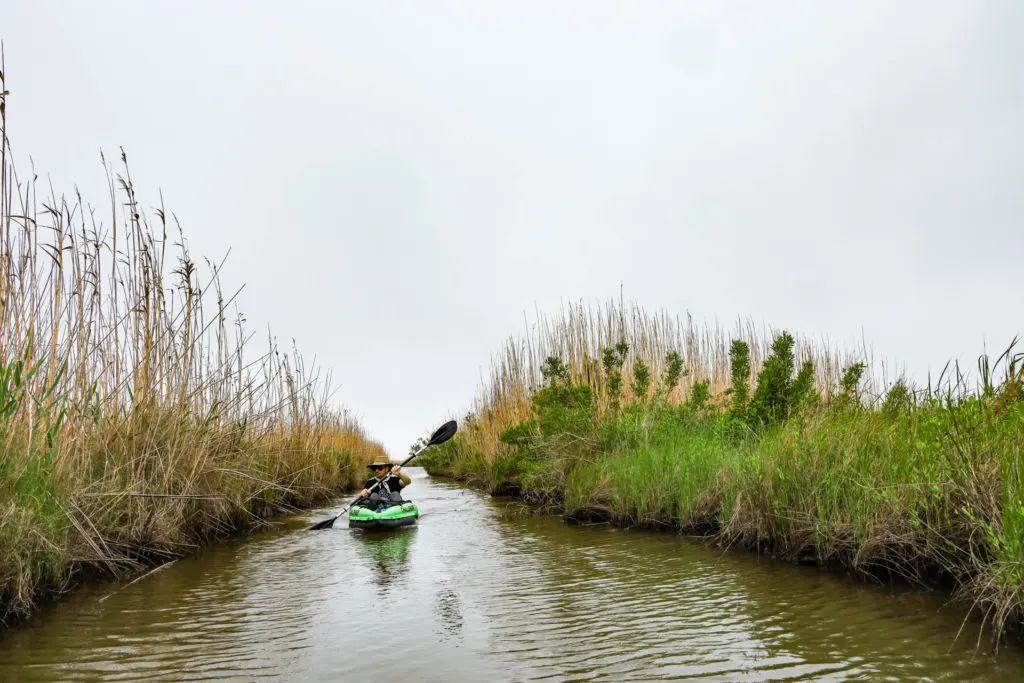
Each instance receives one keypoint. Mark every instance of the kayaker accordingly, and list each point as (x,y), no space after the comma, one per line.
(392,479)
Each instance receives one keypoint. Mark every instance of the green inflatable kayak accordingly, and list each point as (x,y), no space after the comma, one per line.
(402,514)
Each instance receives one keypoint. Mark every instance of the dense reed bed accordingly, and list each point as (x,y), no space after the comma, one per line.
(135,424)
(760,441)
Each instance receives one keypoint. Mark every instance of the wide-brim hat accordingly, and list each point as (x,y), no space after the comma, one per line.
(379,462)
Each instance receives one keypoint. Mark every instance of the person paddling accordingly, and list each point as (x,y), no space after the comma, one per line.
(392,481)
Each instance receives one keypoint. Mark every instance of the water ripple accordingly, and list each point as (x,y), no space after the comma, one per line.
(473,595)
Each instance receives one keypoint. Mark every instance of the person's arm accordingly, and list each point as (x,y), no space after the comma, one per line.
(404,478)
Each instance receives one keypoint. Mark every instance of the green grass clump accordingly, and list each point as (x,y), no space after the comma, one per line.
(671,481)
(33,531)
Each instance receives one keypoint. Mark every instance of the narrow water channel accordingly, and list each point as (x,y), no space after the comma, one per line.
(474,593)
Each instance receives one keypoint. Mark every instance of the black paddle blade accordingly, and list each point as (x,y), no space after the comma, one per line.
(326,524)
(443,433)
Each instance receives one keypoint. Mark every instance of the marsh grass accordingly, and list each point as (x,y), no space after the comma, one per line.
(772,444)
(582,335)
(135,424)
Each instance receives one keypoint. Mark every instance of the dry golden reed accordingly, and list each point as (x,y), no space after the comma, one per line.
(135,422)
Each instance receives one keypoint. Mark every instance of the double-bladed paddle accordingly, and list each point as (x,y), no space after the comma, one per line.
(443,433)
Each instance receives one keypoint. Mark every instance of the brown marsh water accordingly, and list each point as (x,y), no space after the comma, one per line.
(474,593)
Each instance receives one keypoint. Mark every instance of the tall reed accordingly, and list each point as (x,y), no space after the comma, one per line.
(135,422)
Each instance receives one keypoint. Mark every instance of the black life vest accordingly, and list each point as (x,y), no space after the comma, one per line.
(386,494)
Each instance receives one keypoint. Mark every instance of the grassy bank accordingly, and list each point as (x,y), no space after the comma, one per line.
(134,422)
(769,444)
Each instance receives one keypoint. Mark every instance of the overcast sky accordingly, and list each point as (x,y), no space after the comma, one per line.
(400,181)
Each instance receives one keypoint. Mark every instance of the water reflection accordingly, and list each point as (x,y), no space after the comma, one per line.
(386,553)
(448,610)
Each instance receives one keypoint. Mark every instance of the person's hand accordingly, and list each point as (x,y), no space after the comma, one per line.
(395,469)
(365,493)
